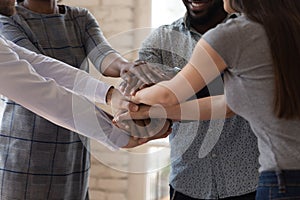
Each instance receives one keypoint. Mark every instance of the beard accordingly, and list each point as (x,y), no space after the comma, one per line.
(206,15)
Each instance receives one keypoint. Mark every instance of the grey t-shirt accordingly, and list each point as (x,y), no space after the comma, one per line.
(231,167)
(249,89)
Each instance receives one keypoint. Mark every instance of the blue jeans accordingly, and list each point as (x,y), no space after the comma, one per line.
(282,185)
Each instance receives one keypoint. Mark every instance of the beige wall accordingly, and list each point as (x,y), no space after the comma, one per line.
(124,23)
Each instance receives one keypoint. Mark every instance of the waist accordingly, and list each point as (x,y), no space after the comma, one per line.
(286,177)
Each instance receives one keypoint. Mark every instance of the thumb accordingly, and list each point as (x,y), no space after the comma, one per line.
(133,107)
(122,117)
(134,98)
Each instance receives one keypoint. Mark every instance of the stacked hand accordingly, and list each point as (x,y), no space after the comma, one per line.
(142,130)
(143,74)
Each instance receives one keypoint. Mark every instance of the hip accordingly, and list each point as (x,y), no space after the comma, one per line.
(279,185)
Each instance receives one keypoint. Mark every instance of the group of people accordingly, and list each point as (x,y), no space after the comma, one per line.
(225,70)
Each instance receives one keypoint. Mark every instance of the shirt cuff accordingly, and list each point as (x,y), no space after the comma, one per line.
(101,92)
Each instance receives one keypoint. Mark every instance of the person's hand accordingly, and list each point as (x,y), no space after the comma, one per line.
(118,102)
(133,142)
(145,128)
(144,112)
(144,74)
(165,131)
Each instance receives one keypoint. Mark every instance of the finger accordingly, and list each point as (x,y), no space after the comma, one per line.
(155,77)
(123,125)
(169,131)
(141,129)
(133,107)
(135,115)
(142,141)
(155,126)
(136,128)
(156,74)
(130,85)
(135,99)
(148,73)
(147,131)
(137,87)
(127,105)
(122,86)
(139,73)
(122,117)
(145,86)
(135,138)
(127,76)
(131,143)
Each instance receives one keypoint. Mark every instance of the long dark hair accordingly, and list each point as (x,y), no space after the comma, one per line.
(281,20)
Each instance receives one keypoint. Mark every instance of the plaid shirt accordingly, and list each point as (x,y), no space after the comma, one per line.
(230,168)
(39,160)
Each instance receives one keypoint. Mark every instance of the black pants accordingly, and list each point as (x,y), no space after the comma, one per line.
(174,195)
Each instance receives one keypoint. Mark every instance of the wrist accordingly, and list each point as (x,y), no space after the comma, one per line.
(170,123)
(109,95)
(125,67)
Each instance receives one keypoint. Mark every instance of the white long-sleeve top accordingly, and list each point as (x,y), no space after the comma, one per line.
(58,92)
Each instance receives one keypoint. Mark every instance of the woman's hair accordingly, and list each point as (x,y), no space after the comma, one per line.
(281,20)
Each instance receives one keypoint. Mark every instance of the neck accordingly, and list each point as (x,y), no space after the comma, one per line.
(42,6)
(202,26)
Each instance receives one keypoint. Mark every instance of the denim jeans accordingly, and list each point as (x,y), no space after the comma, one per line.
(282,185)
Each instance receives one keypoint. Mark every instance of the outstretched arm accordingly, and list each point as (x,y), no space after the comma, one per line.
(63,74)
(107,60)
(43,95)
(208,108)
(204,66)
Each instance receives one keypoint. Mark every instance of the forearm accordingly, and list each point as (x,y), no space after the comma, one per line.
(59,105)
(114,65)
(209,108)
(43,96)
(65,75)
(158,94)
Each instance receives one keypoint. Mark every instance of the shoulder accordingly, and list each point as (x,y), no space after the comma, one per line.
(177,25)
(237,25)
(164,31)
(235,31)
(8,23)
(76,10)
(5,19)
